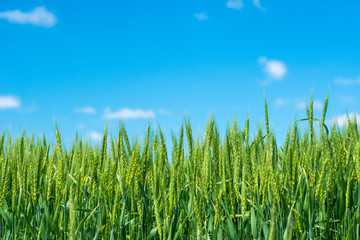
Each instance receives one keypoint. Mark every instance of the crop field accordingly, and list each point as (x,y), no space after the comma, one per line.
(238,187)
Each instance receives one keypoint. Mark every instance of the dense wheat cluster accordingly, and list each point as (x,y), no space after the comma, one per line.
(205,188)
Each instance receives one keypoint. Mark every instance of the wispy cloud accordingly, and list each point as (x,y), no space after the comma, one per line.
(347,81)
(81,126)
(127,113)
(201,16)
(235,4)
(163,112)
(343,119)
(95,136)
(298,103)
(9,101)
(39,16)
(85,110)
(317,105)
(347,99)
(258,5)
(281,102)
(275,70)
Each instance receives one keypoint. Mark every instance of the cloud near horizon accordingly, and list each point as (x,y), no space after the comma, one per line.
(347,81)
(39,16)
(9,101)
(95,136)
(85,110)
(347,99)
(299,104)
(127,113)
(163,112)
(343,119)
(317,105)
(281,102)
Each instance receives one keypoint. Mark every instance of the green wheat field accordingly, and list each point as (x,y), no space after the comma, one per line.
(238,187)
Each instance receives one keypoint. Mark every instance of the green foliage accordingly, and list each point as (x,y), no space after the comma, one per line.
(235,188)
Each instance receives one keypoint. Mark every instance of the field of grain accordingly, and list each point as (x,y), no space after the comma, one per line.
(205,188)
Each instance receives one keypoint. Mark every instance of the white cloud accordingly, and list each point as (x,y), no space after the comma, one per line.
(281,102)
(9,101)
(258,5)
(127,113)
(235,4)
(275,70)
(347,81)
(343,119)
(95,136)
(86,110)
(317,105)
(39,16)
(201,16)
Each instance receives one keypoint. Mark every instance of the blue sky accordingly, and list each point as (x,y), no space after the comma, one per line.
(87,63)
